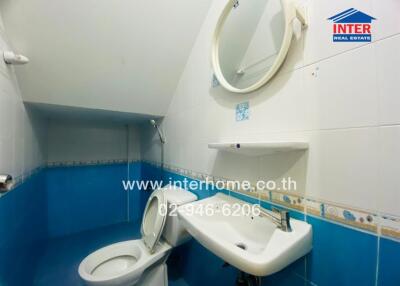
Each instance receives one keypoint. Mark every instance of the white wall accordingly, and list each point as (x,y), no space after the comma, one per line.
(70,141)
(134,146)
(341,97)
(22,133)
(119,55)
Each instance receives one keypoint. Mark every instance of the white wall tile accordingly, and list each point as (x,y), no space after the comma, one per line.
(1,25)
(134,142)
(150,147)
(387,14)
(344,90)
(389,159)
(342,166)
(7,165)
(29,145)
(234,166)
(75,141)
(19,135)
(22,137)
(388,63)
(286,165)
(219,117)
(4,68)
(326,108)
(7,110)
(283,105)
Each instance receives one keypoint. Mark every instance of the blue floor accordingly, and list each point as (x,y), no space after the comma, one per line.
(60,262)
(179,282)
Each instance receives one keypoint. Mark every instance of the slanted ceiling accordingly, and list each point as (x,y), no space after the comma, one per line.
(120,55)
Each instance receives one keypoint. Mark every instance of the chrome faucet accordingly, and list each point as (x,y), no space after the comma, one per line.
(280,217)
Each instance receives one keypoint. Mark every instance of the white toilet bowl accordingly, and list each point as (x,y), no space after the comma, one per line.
(124,264)
(141,262)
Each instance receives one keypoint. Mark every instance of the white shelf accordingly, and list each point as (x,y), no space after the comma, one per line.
(258,148)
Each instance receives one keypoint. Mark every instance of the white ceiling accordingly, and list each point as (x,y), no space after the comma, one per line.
(121,55)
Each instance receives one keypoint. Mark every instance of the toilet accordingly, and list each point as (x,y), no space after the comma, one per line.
(142,262)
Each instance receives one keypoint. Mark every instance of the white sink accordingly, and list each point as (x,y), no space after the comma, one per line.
(251,243)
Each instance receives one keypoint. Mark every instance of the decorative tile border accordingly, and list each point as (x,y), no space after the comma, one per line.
(20,179)
(315,208)
(385,225)
(288,200)
(88,163)
(364,220)
(356,218)
(390,226)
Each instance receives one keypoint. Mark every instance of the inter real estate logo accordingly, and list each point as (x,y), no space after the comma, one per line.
(352,26)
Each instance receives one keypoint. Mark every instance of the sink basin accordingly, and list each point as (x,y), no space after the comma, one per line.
(251,243)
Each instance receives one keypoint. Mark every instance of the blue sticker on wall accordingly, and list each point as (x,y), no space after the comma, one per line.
(242,111)
(287,200)
(348,215)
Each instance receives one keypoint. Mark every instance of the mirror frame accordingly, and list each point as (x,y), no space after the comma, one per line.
(290,13)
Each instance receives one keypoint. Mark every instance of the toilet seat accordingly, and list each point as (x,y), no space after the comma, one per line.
(120,263)
(123,263)
(154,218)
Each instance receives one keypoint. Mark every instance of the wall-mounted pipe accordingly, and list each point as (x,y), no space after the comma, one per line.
(160,134)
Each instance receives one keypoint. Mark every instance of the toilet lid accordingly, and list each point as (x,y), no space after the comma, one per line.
(154,218)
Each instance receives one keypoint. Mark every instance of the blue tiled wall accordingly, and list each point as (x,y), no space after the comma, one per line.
(138,199)
(389,270)
(148,173)
(340,256)
(60,201)
(200,265)
(22,230)
(57,202)
(86,197)
(134,196)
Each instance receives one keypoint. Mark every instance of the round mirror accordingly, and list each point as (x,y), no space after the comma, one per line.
(251,41)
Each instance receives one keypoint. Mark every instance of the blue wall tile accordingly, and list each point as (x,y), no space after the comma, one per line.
(58,202)
(341,256)
(52,203)
(135,200)
(22,231)
(82,198)
(293,275)
(389,269)
(201,267)
(200,190)
(148,173)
